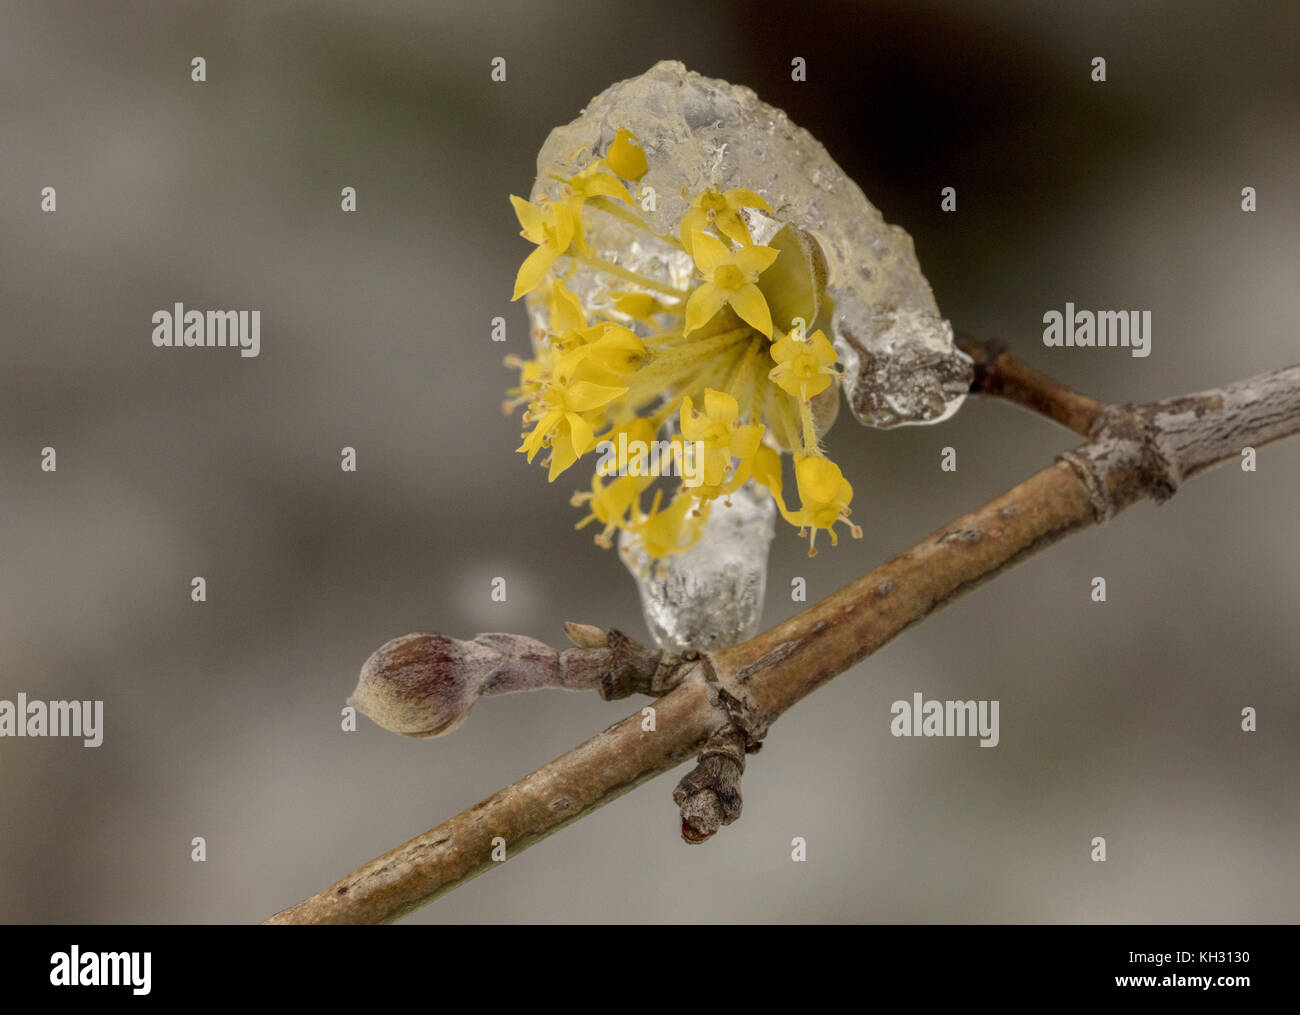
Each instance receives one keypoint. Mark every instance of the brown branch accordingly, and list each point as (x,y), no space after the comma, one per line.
(1000,374)
(732,696)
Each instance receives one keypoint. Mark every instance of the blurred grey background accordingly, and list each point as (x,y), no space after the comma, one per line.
(222,720)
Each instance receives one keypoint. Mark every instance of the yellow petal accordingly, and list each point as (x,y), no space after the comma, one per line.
(716,464)
(533,442)
(691,221)
(566,224)
(577,236)
(562,456)
(719,406)
(749,304)
(704,303)
(626,157)
(787,381)
(739,197)
(620,352)
(822,348)
(737,480)
(566,309)
(784,349)
(733,226)
(694,424)
(819,480)
(710,253)
(585,395)
(620,343)
(533,270)
(581,434)
(531,218)
(606,185)
(692,427)
(642,306)
(784,378)
(815,386)
(567,364)
(745,441)
(753,261)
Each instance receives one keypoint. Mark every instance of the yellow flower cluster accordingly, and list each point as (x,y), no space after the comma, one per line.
(735,360)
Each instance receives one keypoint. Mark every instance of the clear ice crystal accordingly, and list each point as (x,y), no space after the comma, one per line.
(710,596)
(900,364)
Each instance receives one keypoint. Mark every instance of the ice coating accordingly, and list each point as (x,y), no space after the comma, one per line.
(710,596)
(896,350)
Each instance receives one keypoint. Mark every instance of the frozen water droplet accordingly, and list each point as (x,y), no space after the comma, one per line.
(916,377)
(711,596)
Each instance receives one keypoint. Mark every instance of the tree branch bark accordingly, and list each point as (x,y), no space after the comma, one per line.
(1134,452)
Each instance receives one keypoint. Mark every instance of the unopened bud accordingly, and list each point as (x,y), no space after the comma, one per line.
(585,635)
(423,685)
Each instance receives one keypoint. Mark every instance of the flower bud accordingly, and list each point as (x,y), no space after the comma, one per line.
(422,685)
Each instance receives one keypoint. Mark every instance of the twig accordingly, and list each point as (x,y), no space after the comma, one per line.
(734,695)
(1000,374)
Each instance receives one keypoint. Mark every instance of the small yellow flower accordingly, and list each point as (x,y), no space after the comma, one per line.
(612,502)
(721,210)
(561,423)
(674,529)
(637,433)
(592,182)
(626,157)
(730,277)
(609,504)
(825,496)
(552,228)
(565,309)
(803,368)
(723,436)
(531,382)
(608,352)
